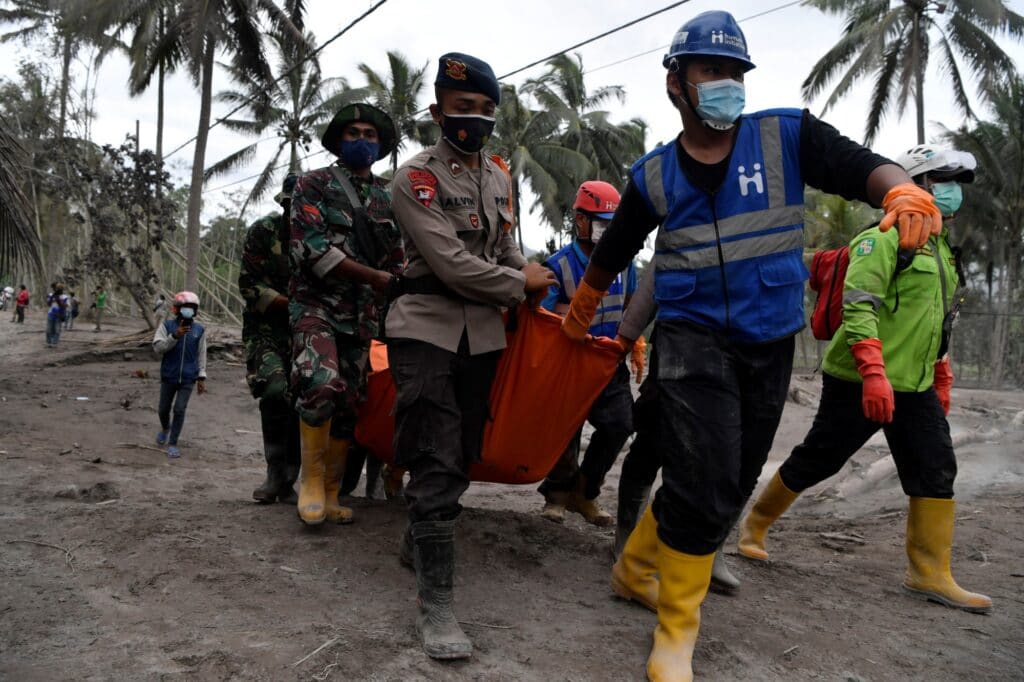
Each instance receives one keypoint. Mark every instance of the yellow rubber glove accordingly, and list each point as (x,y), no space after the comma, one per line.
(576,324)
(638,358)
(914,210)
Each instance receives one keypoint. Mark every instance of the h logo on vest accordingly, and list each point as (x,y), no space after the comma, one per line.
(757,180)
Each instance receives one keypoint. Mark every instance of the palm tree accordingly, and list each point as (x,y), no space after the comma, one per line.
(892,41)
(610,148)
(295,104)
(398,94)
(19,243)
(992,217)
(530,140)
(831,221)
(196,32)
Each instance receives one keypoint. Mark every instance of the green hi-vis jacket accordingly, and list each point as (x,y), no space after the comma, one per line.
(912,332)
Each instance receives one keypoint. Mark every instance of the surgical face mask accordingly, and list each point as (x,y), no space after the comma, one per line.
(468,134)
(597,228)
(720,102)
(187,313)
(948,197)
(359,154)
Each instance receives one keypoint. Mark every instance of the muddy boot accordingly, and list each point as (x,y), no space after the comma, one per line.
(929,541)
(635,574)
(774,500)
(334,469)
(723,580)
(632,498)
(275,451)
(406,555)
(312,497)
(554,506)
(588,509)
(684,584)
(442,638)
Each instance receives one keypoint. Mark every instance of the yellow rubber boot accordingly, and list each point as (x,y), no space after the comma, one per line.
(929,541)
(634,575)
(775,500)
(684,584)
(311,506)
(334,469)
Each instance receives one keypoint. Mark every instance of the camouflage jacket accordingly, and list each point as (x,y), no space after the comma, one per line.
(264,277)
(322,236)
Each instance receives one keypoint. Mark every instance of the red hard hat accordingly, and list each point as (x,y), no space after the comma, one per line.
(597,198)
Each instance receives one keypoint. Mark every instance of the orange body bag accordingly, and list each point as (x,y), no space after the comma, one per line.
(542,392)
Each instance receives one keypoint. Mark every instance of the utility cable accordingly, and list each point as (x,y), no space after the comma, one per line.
(294,66)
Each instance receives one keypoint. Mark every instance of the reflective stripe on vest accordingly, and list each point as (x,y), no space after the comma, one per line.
(609,312)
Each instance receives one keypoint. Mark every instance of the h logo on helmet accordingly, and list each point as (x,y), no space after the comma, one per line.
(717,37)
(757,180)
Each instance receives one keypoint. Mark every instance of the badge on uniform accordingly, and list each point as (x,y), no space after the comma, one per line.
(866,246)
(424,186)
(455,166)
(474,220)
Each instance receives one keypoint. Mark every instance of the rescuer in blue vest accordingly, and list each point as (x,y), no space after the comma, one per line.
(727,198)
(571,485)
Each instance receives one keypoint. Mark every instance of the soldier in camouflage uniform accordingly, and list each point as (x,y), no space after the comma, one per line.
(346,253)
(263,281)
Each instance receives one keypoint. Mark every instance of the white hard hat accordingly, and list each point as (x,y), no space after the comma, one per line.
(944,162)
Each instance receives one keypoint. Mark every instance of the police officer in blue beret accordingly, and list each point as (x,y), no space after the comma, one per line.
(445,333)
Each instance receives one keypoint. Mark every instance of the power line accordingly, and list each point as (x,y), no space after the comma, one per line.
(664,47)
(597,37)
(296,65)
(541,61)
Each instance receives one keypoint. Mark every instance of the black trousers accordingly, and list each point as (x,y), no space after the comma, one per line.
(720,403)
(918,438)
(441,409)
(612,418)
(640,465)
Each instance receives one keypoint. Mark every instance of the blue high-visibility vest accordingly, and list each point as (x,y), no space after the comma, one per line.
(569,263)
(732,260)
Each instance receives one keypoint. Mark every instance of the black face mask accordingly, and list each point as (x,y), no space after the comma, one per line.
(468,134)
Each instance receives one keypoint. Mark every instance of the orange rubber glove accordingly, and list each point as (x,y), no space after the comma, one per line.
(638,358)
(943,382)
(914,210)
(576,324)
(878,401)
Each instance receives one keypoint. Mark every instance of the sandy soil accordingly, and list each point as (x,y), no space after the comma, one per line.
(171,572)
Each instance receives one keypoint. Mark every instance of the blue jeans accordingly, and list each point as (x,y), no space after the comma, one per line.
(53,326)
(178,395)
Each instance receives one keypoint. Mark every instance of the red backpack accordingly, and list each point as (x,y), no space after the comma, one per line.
(828,274)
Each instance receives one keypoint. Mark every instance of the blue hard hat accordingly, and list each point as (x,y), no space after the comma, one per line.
(713,34)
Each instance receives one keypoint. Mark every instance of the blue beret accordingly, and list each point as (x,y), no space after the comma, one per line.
(457,71)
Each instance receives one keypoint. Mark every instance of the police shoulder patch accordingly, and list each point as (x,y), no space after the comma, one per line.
(865,247)
(424,186)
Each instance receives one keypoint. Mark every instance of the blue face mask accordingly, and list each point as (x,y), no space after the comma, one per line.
(187,313)
(948,197)
(359,154)
(720,103)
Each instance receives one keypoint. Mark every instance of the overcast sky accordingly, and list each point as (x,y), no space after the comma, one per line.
(784,44)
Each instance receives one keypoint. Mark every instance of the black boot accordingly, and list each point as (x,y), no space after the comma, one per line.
(440,633)
(632,499)
(275,449)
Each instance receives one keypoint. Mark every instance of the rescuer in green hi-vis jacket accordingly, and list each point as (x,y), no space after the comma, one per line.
(887,367)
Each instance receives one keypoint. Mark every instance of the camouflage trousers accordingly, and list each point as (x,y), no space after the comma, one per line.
(328,374)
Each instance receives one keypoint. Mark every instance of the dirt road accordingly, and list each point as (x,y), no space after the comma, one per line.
(116,563)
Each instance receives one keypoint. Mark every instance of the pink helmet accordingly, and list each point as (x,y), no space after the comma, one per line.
(597,198)
(184,298)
